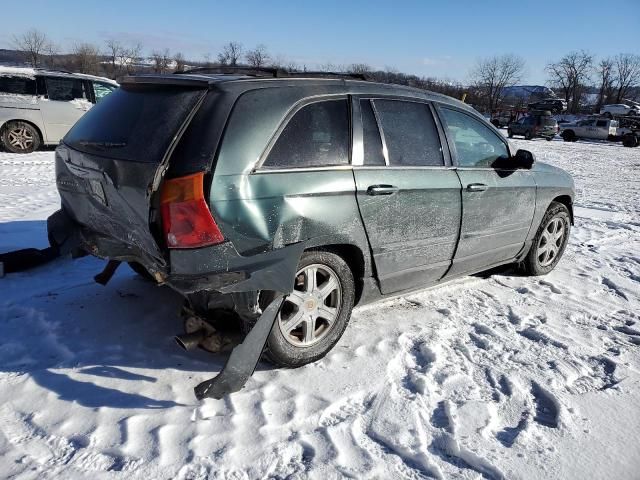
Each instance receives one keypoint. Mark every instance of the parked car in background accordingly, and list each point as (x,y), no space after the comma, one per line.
(332,191)
(554,105)
(534,125)
(591,128)
(619,109)
(38,107)
(503,117)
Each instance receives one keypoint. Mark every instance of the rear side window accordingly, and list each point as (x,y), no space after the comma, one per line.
(64,89)
(373,154)
(134,123)
(410,133)
(316,136)
(18,85)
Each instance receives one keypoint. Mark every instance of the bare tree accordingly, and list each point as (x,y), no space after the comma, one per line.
(627,66)
(359,68)
(114,51)
(86,59)
(128,57)
(32,44)
(231,53)
(571,74)
(492,75)
(605,72)
(180,62)
(258,57)
(161,60)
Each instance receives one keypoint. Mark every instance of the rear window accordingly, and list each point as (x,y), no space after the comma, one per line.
(18,85)
(133,123)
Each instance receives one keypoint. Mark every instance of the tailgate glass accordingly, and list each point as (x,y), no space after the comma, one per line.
(135,123)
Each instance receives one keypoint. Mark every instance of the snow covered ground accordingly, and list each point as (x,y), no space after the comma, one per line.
(497,377)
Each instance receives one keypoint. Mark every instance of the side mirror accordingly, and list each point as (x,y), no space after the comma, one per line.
(523,159)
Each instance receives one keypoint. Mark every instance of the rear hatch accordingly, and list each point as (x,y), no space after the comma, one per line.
(112,161)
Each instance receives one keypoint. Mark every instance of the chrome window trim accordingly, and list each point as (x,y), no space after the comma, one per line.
(267,170)
(404,167)
(295,108)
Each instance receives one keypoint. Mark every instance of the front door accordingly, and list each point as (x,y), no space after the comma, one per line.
(66,100)
(498,202)
(408,194)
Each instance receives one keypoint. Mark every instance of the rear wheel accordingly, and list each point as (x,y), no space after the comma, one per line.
(527,135)
(550,241)
(20,137)
(510,133)
(630,140)
(315,314)
(569,136)
(608,115)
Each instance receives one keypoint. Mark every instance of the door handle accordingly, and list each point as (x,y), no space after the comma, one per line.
(382,190)
(476,187)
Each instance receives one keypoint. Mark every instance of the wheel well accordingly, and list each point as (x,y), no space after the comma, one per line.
(566,201)
(4,125)
(354,258)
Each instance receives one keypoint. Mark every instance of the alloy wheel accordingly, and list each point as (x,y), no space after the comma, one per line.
(551,241)
(20,138)
(311,309)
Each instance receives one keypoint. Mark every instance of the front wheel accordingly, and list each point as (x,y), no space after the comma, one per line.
(550,241)
(315,314)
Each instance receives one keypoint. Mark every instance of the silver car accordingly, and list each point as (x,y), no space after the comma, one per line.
(38,107)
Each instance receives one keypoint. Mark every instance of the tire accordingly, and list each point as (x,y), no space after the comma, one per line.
(569,136)
(527,135)
(495,123)
(630,140)
(510,133)
(288,344)
(608,115)
(541,260)
(20,137)
(140,270)
(549,139)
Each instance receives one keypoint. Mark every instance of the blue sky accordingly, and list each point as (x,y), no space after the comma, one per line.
(442,39)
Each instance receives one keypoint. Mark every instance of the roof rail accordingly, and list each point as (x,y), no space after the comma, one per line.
(270,72)
(54,70)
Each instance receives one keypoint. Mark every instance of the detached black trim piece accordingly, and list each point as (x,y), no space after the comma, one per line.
(243,359)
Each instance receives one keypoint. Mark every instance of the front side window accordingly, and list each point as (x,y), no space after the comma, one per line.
(64,89)
(316,136)
(476,145)
(601,123)
(101,90)
(410,133)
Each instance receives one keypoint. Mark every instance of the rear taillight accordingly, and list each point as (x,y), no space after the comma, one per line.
(186,218)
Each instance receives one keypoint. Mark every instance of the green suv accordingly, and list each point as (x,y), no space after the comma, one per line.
(325,189)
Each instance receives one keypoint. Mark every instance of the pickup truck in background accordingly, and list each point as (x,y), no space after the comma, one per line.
(592,129)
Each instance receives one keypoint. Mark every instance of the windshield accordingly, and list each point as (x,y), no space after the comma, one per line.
(133,123)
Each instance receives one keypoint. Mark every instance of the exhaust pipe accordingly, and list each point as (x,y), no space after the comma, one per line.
(190,341)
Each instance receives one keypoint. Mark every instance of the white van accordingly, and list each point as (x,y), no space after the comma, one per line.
(38,107)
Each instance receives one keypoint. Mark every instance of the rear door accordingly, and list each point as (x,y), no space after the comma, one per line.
(408,195)
(497,203)
(65,101)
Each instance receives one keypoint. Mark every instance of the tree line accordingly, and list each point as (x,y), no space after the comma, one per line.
(614,79)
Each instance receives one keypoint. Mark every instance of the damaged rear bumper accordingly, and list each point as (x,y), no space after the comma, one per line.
(218,268)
